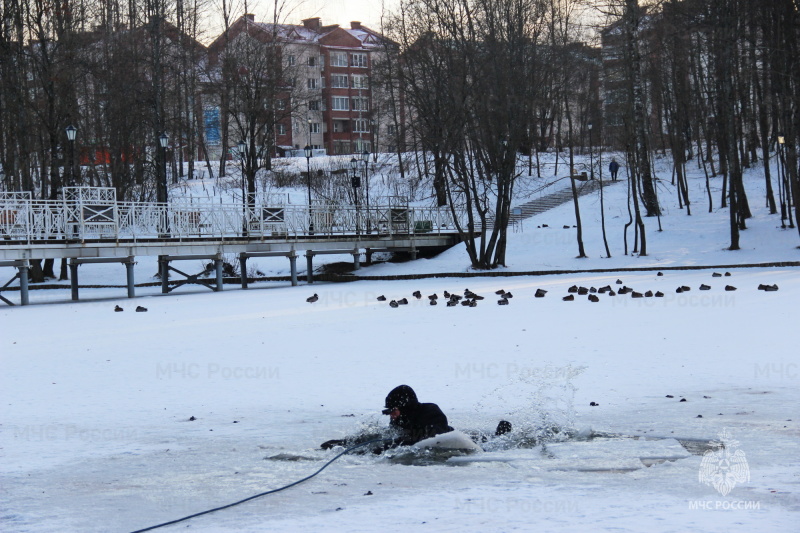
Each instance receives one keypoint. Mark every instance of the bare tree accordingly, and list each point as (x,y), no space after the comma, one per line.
(255,85)
(460,69)
(560,13)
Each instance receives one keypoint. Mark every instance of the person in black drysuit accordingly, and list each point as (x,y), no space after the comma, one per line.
(411,421)
(613,168)
(415,421)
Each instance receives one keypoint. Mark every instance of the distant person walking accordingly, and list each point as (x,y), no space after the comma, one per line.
(613,168)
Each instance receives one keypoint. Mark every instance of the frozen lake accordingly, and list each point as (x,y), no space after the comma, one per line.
(96,433)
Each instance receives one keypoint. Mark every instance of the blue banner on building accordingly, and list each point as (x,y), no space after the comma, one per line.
(211,119)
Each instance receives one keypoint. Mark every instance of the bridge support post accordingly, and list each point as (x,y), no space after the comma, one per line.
(218,268)
(309,267)
(73,272)
(243,269)
(23,284)
(129,274)
(163,268)
(293,268)
(368,256)
(356,260)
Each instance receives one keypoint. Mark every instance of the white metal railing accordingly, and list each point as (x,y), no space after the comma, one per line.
(25,220)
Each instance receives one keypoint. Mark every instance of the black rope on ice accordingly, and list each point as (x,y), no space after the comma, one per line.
(348,450)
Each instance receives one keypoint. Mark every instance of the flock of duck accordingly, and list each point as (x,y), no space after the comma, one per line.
(471,299)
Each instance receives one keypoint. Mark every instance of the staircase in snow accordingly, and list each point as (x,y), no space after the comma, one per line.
(550,201)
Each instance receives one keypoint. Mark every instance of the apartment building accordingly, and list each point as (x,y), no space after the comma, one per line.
(329,98)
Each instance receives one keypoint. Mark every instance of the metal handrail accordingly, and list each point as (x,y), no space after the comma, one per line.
(24,219)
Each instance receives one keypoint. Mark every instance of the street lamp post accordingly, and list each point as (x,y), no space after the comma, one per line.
(242,147)
(308,150)
(162,185)
(71,133)
(530,150)
(374,141)
(356,183)
(504,160)
(162,141)
(365,159)
(782,189)
(786,202)
(591,153)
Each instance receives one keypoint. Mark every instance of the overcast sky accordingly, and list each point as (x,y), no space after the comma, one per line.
(341,12)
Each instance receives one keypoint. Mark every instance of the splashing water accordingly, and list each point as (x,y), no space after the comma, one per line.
(539,402)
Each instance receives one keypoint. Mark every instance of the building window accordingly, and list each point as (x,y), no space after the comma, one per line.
(358,60)
(290,60)
(361,125)
(363,146)
(338,81)
(360,104)
(313,83)
(391,129)
(280,129)
(280,103)
(312,61)
(338,59)
(360,82)
(313,127)
(313,105)
(341,147)
(340,103)
(339,126)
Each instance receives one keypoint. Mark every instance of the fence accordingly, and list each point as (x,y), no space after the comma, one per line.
(93,213)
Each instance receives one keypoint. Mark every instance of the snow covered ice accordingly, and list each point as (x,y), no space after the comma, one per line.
(97,437)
